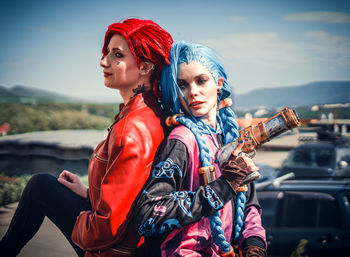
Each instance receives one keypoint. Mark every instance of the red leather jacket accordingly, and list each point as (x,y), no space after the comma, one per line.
(118,169)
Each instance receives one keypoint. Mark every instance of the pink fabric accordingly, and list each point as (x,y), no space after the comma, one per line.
(196,238)
(253,226)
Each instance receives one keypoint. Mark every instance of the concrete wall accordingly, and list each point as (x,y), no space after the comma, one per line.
(48,151)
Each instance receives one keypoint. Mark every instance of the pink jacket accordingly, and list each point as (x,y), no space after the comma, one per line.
(191,233)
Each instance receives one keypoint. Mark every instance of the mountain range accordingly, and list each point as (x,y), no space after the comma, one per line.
(23,94)
(323,92)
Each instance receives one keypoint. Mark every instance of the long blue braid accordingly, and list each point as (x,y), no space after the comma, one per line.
(215,221)
(183,51)
(228,117)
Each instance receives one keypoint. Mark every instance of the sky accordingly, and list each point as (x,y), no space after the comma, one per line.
(56,45)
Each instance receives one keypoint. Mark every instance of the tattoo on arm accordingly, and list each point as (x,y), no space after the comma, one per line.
(139,89)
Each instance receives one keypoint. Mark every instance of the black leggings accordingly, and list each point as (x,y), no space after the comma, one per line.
(42,196)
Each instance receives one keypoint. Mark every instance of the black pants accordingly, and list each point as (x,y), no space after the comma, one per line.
(42,196)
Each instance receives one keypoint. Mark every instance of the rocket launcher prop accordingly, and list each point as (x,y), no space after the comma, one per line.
(254,136)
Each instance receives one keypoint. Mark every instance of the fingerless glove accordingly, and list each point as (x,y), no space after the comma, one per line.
(235,170)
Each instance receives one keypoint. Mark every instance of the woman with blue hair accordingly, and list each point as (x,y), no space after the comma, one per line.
(183,212)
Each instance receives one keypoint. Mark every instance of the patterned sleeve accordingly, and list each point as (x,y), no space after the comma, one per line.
(163,207)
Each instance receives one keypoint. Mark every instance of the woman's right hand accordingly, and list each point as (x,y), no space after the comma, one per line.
(73,182)
(236,168)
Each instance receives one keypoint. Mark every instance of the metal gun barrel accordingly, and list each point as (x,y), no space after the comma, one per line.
(276,182)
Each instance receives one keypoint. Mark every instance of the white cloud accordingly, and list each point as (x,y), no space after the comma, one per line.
(329,48)
(265,59)
(257,48)
(239,18)
(270,49)
(327,17)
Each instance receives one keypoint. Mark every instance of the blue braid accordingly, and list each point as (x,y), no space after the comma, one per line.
(240,206)
(218,233)
(215,221)
(231,133)
(183,51)
(203,149)
(229,124)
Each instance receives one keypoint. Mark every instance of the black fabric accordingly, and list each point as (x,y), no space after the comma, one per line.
(43,196)
(176,151)
(157,192)
(254,240)
(252,197)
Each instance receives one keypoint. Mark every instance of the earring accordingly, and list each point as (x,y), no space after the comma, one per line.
(148,68)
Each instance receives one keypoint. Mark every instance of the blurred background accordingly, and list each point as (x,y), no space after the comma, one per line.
(56,46)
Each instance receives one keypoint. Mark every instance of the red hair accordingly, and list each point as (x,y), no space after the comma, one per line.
(148,42)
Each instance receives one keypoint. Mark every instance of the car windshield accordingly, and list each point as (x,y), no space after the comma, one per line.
(310,157)
(343,154)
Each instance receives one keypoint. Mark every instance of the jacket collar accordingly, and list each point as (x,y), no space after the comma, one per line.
(136,102)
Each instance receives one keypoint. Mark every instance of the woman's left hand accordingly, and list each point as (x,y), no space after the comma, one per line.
(73,182)
(237,167)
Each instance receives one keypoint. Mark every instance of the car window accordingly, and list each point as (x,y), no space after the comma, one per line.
(299,209)
(310,157)
(269,202)
(343,154)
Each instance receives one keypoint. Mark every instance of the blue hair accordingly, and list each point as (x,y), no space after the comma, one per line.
(181,52)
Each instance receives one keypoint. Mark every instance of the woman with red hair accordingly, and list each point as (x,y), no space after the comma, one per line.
(95,220)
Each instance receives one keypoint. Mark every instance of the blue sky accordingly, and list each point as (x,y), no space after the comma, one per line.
(56,45)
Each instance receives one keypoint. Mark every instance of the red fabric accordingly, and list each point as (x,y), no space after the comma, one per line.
(147,42)
(4,128)
(118,169)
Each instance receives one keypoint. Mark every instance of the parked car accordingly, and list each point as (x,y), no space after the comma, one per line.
(306,216)
(267,172)
(328,155)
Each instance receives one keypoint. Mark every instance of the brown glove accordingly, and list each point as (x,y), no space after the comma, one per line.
(235,170)
(253,251)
